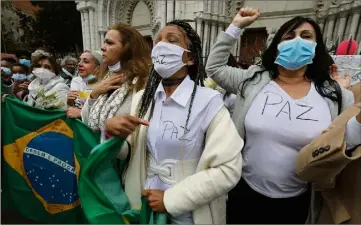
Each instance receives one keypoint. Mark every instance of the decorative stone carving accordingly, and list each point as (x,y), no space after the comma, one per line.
(105,12)
(134,3)
(229,8)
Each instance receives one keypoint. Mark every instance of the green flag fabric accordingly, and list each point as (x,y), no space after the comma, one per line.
(55,171)
(101,191)
(42,154)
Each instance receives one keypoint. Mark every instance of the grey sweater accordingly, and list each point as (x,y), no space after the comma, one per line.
(231,78)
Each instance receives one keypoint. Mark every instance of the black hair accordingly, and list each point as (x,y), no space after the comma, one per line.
(317,72)
(196,71)
(24,68)
(23,54)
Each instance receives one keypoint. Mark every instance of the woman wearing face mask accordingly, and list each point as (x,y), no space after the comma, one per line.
(89,67)
(128,58)
(282,106)
(21,82)
(47,90)
(182,162)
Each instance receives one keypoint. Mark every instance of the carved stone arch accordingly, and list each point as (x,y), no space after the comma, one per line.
(112,12)
(132,6)
(118,11)
(229,8)
(105,12)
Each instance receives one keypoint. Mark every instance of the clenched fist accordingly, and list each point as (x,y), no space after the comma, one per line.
(245,17)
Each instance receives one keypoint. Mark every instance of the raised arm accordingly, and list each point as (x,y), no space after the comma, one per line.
(225,76)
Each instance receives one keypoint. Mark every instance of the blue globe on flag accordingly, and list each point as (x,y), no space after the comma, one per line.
(50,168)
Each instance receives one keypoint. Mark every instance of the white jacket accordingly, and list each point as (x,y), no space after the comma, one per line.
(55,85)
(204,192)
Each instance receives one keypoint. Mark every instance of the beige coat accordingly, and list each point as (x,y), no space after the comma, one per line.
(204,192)
(336,175)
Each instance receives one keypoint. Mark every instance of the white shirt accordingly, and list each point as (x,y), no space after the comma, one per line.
(277,128)
(167,125)
(229,102)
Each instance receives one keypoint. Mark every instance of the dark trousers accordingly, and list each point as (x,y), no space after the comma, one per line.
(246,206)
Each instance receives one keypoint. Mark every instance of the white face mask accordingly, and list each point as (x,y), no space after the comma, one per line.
(167,59)
(43,74)
(115,68)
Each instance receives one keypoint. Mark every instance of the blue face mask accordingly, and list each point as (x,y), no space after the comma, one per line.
(89,78)
(19,77)
(296,53)
(6,70)
(25,62)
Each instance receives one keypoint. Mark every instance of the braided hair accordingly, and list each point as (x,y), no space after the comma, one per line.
(196,71)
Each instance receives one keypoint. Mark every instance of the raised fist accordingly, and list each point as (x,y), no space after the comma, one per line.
(245,17)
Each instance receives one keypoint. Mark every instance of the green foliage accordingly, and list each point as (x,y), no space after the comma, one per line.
(58,25)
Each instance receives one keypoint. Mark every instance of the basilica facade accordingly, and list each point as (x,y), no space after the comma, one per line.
(338,19)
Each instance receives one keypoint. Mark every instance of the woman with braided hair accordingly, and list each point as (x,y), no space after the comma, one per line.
(180,160)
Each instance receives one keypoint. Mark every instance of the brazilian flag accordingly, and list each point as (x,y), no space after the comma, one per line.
(54,171)
(42,154)
(101,191)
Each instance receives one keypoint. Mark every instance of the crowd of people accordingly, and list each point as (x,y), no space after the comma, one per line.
(207,144)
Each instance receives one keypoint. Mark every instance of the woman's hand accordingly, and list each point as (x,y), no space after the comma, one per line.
(110,83)
(73,112)
(123,125)
(344,81)
(72,95)
(24,85)
(245,17)
(155,200)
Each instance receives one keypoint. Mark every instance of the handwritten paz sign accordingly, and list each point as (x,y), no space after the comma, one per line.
(350,63)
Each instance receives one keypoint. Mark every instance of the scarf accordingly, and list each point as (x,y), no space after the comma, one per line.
(105,107)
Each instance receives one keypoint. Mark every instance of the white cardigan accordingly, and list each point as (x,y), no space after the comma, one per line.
(203,193)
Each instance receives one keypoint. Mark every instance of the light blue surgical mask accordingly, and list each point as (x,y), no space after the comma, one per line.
(25,62)
(19,77)
(6,70)
(296,53)
(89,78)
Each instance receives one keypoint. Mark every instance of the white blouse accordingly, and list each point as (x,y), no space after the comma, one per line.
(166,130)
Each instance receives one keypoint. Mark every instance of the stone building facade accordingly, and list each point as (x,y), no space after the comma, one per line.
(339,20)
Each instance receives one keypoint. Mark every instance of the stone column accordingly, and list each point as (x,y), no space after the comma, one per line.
(330,27)
(163,13)
(91,26)
(199,27)
(321,23)
(341,26)
(170,10)
(205,39)
(177,9)
(83,28)
(220,27)
(213,33)
(354,23)
(102,34)
(87,32)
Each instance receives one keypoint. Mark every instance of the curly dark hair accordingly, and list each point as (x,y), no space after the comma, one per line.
(317,72)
